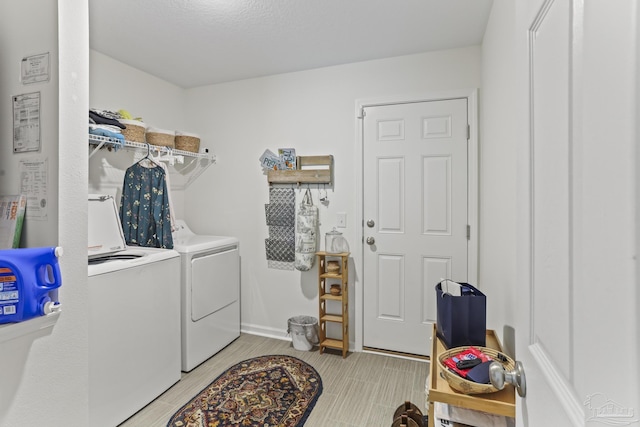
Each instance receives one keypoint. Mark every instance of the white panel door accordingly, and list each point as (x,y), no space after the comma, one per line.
(574,244)
(415,214)
(546,330)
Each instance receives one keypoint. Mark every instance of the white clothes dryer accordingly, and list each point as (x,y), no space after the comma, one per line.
(134,319)
(210,293)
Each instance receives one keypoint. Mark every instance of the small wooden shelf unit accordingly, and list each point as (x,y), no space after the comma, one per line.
(325,280)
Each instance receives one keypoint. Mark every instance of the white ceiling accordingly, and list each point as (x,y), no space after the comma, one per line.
(199,42)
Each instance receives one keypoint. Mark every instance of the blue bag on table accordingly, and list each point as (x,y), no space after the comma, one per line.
(461,314)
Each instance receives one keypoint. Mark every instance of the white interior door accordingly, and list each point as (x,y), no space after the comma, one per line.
(415,213)
(548,266)
(572,240)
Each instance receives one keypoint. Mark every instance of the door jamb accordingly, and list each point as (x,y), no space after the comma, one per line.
(473,185)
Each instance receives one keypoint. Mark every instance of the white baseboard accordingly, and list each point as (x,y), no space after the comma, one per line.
(279,334)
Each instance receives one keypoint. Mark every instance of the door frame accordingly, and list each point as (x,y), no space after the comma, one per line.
(472,180)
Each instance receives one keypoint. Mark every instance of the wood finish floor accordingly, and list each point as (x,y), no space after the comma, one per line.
(364,389)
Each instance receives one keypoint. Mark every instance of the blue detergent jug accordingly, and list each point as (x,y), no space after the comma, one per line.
(28,280)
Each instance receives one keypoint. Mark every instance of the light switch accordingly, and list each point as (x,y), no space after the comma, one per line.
(342,220)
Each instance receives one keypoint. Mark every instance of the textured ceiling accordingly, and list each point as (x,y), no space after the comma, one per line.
(199,42)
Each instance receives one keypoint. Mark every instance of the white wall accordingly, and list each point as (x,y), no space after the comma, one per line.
(498,159)
(115,86)
(44,379)
(15,45)
(314,112)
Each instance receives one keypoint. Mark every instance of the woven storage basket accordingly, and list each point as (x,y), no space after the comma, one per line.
(161,137)
(135,130)
(187,142)
(333,267)
(458,383)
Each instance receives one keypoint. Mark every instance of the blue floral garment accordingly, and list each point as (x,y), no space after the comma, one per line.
(144,208)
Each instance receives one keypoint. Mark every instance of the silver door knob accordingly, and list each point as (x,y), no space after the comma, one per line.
(499,376)
(370,240)
(370,223)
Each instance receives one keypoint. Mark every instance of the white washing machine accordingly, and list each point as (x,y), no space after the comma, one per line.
(210,293)
(134,319)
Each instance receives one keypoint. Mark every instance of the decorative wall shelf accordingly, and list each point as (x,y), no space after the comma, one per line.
(309,170)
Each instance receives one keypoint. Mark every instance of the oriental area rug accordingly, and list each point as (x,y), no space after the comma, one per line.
(266,391)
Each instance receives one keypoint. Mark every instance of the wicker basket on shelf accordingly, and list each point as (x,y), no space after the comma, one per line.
(462,385)
(187,142)
(135,130)
(333,267)
(161,137)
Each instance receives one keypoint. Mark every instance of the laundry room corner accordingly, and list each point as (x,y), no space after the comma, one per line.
(312,112)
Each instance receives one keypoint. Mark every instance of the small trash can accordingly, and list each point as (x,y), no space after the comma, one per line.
(304,332)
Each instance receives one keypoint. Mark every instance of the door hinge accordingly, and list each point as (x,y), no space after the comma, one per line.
(362,114)
(468,232)
(468,132)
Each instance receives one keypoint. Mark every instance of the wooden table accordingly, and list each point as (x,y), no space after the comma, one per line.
(502,402)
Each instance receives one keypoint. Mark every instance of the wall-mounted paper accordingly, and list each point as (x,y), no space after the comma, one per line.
(26,122)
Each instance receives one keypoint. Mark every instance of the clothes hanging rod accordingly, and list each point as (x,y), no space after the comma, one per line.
(103,140)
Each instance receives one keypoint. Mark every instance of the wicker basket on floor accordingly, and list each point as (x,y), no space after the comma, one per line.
(135,130)
(457,383)
(161,137)
(187,142)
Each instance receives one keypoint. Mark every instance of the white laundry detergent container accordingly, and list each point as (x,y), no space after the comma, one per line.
(304,332)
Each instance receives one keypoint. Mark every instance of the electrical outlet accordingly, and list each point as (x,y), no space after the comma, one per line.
(341,221)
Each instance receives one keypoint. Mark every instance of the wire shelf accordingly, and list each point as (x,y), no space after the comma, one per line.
(197,164)
(101,141)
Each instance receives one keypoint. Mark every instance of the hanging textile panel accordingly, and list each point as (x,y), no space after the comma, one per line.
(280,217)
(306,235)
